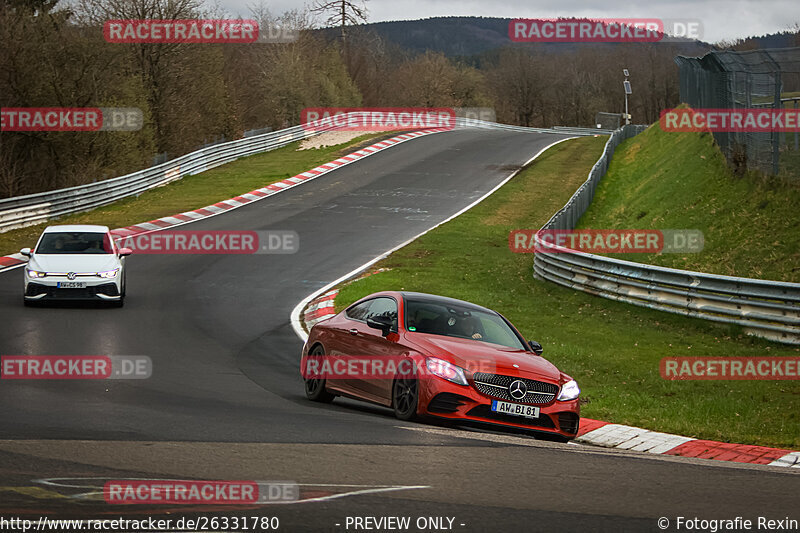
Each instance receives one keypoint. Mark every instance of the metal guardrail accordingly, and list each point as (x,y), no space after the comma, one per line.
(32,209)
(22,211)
(768,309)
(568,130)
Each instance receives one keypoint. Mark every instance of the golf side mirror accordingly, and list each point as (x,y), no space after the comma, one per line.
(26,252)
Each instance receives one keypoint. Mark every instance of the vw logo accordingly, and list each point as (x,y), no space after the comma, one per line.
(518,390)
(70,275)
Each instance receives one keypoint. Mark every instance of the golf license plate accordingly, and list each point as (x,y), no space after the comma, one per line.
(516,409)
(71,285)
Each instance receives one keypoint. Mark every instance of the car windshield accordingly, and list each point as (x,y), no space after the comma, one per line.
(75,243)
(461,322)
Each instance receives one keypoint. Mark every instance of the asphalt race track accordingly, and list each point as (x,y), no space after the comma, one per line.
(225,400)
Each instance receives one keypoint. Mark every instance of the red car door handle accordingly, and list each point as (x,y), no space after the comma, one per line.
(354,331)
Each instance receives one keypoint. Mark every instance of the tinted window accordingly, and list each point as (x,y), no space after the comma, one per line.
(373,308)
(383,307)
(359,312)
(75,243)
(462,322)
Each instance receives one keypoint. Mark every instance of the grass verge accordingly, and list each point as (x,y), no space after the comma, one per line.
(667,180)
(200,190)
(612,349)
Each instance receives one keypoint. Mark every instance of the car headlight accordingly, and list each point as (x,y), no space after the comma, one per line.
(36,274)
(569,391)
(108,273)
(445,370)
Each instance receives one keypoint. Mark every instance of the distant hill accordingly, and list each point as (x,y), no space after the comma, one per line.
(472,36)
(785,39)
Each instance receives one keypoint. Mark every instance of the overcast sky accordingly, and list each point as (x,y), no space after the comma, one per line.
(722,19)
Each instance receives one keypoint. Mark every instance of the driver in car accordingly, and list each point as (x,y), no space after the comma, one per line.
(470,327)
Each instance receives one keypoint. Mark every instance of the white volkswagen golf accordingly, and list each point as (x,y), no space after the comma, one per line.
(75,263)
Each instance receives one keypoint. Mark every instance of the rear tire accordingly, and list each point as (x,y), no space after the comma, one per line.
(315,388)
(405,398)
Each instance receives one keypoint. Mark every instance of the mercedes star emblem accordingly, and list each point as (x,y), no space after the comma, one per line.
(518,389)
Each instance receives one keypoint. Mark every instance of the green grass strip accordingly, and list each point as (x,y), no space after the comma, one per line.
(612,349)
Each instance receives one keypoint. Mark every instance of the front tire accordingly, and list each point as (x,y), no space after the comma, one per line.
(405,398)
(315,388)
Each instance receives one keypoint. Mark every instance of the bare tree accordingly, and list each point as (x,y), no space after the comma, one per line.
(341,13)
(156,61)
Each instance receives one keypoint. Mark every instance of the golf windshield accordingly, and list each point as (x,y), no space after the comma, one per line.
(75,243)
(462,322)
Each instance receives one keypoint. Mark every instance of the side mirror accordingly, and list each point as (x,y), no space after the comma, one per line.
(383,323)
(125,251)
(536,347)
(26,252)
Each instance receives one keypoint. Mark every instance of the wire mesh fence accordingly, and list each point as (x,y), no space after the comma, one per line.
(747,80)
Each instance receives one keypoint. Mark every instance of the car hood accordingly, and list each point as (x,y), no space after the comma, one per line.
(477,356)
(74,262)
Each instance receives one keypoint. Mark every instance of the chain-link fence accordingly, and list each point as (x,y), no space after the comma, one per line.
(608,121)
(747,80)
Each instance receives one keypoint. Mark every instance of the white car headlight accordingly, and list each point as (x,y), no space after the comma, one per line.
(569,391)
(108,274)
(445,370)
(36,274)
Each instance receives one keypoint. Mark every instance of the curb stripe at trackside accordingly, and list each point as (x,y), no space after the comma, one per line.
(631,438)
(790,459)
(11,261)
(16,260)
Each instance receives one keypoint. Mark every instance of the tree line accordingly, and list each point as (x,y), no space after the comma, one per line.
(54,55)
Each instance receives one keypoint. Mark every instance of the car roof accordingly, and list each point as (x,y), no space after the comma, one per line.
(88,228)
(444,300)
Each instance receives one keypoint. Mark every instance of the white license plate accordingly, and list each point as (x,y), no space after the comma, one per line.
(516,409)
(71,285)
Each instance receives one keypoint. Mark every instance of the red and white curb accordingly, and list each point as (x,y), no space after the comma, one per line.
(12,261)
(320,308)
(607,435)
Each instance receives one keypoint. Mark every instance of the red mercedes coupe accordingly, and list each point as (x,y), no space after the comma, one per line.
(431,356)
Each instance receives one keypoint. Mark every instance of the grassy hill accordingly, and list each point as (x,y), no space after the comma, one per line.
(665,180)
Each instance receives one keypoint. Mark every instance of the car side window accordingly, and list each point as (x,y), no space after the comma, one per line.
(359,312)
(374,308)
(383,307)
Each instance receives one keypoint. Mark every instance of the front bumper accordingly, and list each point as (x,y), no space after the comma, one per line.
(443,399)
(49,290)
